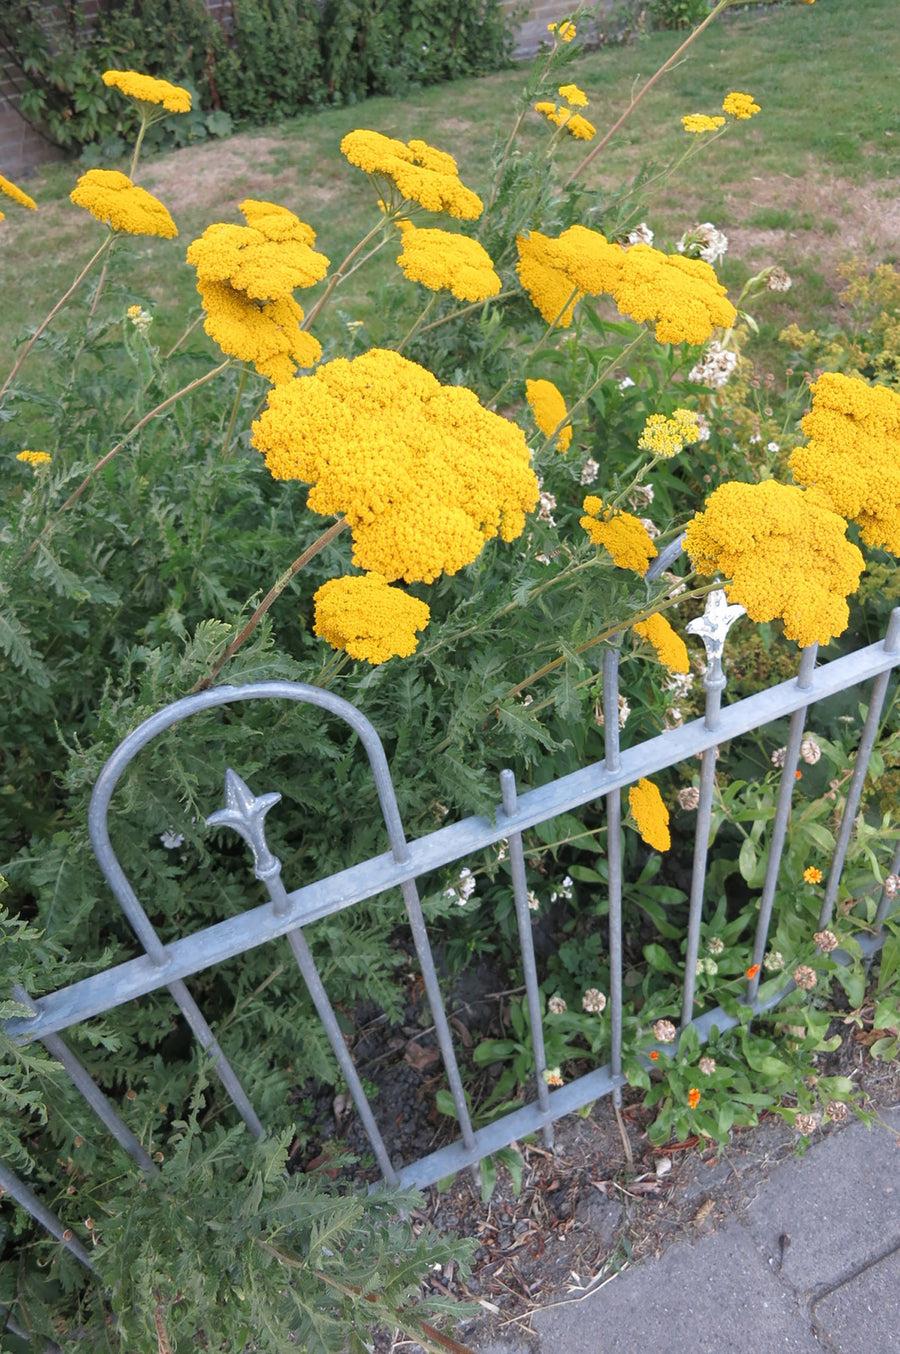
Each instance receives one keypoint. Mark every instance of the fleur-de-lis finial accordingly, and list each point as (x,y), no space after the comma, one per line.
(712,627)
(245,813)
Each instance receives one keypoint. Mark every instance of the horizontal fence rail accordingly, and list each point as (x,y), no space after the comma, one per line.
(287,913)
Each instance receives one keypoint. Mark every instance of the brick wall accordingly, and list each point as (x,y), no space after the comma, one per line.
(22,148)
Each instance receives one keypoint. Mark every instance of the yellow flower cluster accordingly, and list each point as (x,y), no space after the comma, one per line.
(683,296)
(573,96)
(369,619)
(424,474)
(564,31)
(853,454)
(623,535)
(10,190)
(739,105)
(420,172)
(650,814)
(549,410)
(671,649)
(439,259)
(785,552)
(112,198)
(245,277)
(265,259)
(668,436)
(147,89)
(34,457)
(561,116)
(699,123)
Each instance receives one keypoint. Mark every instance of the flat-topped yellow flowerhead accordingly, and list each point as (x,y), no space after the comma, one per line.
(34,458)
(112,198)
(623,535)
(650,814)
(368,619)
(255,264)
(666,437)
(698,123)
(549,409)
(420,172)
(683,296)
(561,116)
(10,190)
(147,89)
(441,260)
(268,335)
(671,649)
(853,454)
(740,106)
(785,553)
(423,473)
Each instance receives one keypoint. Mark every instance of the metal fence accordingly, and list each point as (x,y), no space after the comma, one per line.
(288,914)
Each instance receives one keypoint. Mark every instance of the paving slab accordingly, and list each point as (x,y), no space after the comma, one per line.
(861,1315)
(718,1296)
(839,1205)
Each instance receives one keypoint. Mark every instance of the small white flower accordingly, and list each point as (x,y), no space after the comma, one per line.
(626,383)
(715,367)
(548,503)
(772,446)
(779,280)
(589,471)
(703,242)
(533,901)
(641,234)
(171,839)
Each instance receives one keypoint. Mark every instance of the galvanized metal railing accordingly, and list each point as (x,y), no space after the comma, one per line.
(287,914)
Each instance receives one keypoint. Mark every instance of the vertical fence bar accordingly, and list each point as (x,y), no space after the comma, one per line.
(11,1184)
(884,905)
(83,1082)
(855,789)
(245,814)
(526,942)
(614,859)
(780,821)
(712,627)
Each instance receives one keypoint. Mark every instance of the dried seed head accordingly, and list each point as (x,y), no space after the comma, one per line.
(810,750)
(707,1066)
(805,977)
(805,1124)
(715,944)
(594,1001)
(773,962)
(664,1031)
(689,797)
(826,941)
(837,1110)
(778,756)
(557,1005)
(892,885)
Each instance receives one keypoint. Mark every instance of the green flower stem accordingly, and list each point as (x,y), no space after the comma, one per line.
(145,123)
(606,635)
(234,409)
(551,328)
(466,310)
(271,596)
(343,272)
(56,309)
(190,329)
(104,460)
(429,306)
(667,65)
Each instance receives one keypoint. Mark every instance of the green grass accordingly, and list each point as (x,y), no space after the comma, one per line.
(826,81)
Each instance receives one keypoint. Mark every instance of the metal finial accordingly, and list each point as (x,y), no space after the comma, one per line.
(245,813)
(712,627)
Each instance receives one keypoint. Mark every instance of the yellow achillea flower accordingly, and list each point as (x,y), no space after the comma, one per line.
(423,473)
(699,122)
(667,436)
(574,123)
(34,458)
(147,89)
(543,275)
(622,534)
(573,95)
(785,552)
(369,619)
(564,31)
(439,259)
(650,814)
(10,190)
(420,172)
(684,296)
(247,260)
(739,105)
(112,198)
(853,455)
(267,335)
(549,410)
(671,649)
